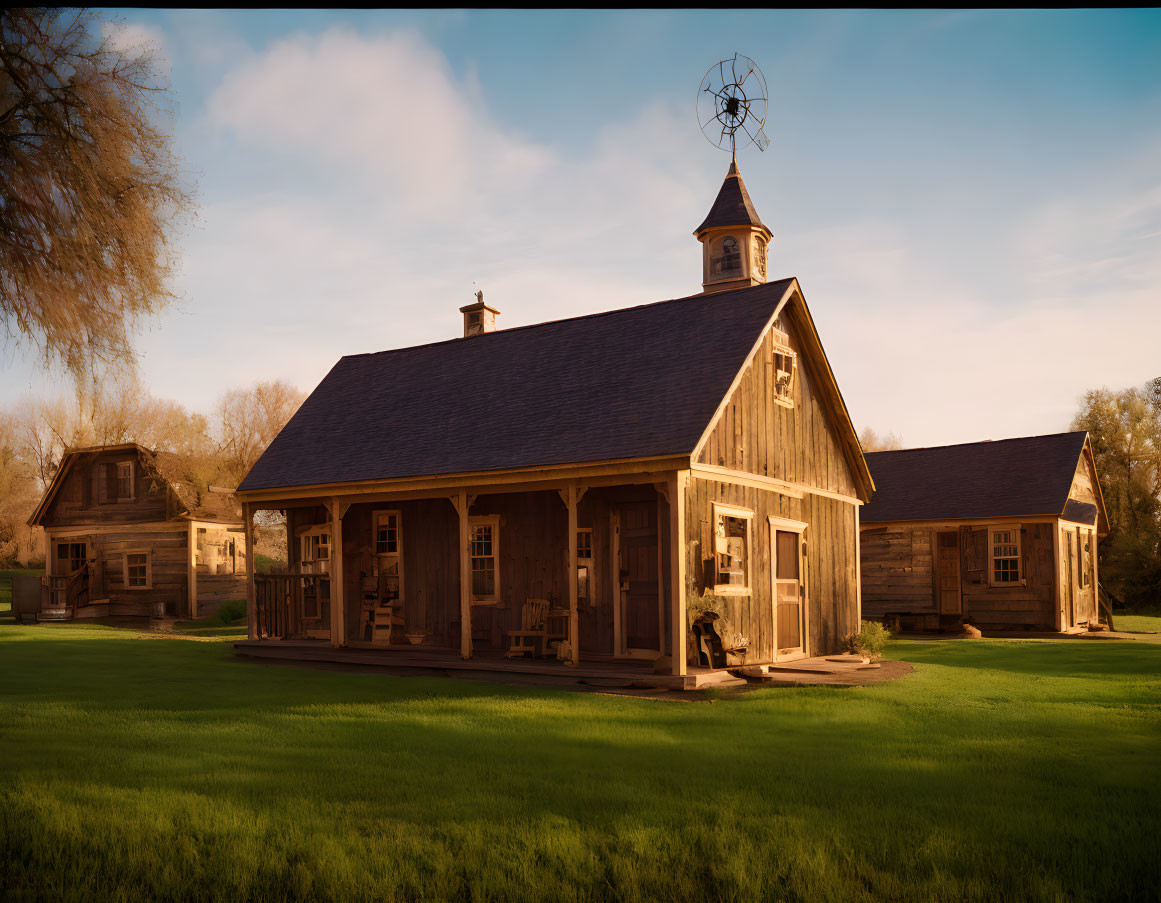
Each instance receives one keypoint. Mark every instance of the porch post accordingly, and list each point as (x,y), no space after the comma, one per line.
(251,605)
(573,631)
(461,503)
(338,609)
(677,555)
(192,569)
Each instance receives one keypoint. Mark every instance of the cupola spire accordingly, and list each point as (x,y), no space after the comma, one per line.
(734,240)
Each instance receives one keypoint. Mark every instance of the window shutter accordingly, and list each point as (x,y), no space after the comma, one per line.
(111,482)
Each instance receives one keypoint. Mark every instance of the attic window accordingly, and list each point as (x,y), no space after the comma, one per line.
(784,362)
(125,480)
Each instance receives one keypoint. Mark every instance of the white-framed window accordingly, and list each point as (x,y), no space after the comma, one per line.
(315,549)
(388,547)
(1004,543)
(584,564)
(125,481)
(484,535)
(138,567)
(733,538)
(388,539)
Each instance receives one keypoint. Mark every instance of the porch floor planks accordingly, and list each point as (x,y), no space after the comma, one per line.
(640,674)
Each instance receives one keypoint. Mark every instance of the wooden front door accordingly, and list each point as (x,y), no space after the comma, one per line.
(638,576)
(947,572)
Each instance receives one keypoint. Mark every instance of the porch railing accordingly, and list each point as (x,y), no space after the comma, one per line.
(66,591)
(286,605)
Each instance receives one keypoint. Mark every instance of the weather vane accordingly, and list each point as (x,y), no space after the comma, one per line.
(732,98)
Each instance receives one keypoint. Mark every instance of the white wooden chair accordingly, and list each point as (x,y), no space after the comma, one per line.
(533,617)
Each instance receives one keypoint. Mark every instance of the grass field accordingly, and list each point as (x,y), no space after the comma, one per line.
(144,767)
(1147,620)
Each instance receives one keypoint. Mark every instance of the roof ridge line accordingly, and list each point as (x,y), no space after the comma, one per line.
(889,451)
(589,316)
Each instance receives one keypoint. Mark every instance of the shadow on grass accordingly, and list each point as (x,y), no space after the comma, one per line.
(961,782)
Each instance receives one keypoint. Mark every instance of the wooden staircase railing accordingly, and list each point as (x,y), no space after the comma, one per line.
(66,592)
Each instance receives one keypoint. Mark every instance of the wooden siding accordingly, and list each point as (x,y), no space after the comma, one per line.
(168,566)
(1031,604)
(897,570)
(75,503)
(1084,483)
(758,435)
(897,574)
(831,578)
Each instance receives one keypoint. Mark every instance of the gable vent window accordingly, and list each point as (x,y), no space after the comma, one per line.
(782,371)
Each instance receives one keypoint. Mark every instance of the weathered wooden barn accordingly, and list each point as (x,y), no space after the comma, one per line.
(1002,535)
(675,485)
(125,534)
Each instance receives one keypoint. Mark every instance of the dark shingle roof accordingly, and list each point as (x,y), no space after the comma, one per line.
(625,384)
(732,206)
(1011,477)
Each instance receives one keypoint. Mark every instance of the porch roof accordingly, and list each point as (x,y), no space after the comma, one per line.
(635,383)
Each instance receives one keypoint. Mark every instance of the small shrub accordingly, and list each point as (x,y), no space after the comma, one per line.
(228,612)
(264,564)
(869,641)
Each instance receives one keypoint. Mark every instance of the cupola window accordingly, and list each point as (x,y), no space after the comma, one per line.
(728,260)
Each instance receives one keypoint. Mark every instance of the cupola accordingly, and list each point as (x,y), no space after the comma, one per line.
(479,317)
(734,241)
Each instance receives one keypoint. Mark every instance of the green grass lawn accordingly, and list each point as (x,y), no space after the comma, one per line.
(1147,620)
(140,767)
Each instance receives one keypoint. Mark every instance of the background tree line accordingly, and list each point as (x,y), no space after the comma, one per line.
(215,449)
(1125,427)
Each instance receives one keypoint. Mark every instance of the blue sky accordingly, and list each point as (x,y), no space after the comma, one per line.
(971,200)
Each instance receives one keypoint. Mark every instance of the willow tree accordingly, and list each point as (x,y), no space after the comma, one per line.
(90,191)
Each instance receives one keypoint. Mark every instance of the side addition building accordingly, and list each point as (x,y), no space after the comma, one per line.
(1002,535)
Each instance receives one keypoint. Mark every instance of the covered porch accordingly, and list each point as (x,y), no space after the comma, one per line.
(522,575)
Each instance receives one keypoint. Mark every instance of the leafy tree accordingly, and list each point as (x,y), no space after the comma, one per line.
(1125,428)
(90,192)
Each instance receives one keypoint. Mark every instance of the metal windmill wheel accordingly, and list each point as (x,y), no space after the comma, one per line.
(731,104)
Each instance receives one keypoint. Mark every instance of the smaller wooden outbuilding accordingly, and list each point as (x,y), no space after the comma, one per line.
(1002,535)
(126,536)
